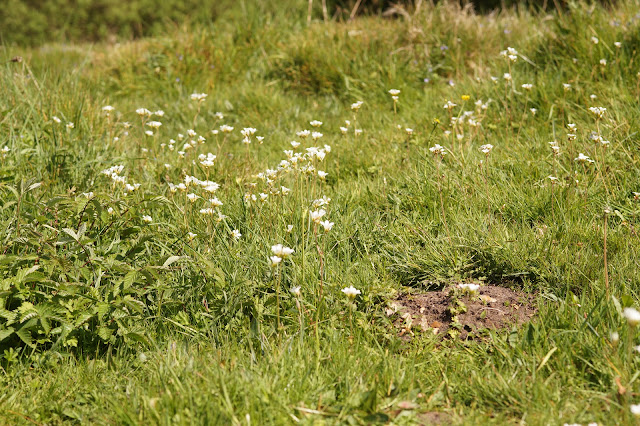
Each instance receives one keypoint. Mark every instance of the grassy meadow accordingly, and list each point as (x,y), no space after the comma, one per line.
(152,192)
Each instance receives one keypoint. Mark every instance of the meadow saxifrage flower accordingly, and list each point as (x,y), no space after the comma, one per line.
(632,316)
(215,202)
(281,251)
(199,97)
(614,337)
(275,261)
(598,111)
(316,216)
(143,112)
(449,105)
(486,149)
(581,158)
(351,292)
(327,225)
(469,288)
(438,149)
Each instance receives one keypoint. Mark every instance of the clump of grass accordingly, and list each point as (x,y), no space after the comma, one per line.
(141,246)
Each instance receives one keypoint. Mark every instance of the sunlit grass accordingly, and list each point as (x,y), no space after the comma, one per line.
(206,227)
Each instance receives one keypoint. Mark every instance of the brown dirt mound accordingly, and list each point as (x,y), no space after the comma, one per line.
(491,308)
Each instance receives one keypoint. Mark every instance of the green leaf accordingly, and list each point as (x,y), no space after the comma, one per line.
(133,304)
(81,230)
(33,186)
(369,400)
(102,310)
(627,300)
(71,233)
(137,337)
(105,333)
(25,335)
(129,279)
(173,259)
(71,342)
(6,332)
(84,317)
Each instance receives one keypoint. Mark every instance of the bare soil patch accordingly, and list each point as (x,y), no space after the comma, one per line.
(462,314)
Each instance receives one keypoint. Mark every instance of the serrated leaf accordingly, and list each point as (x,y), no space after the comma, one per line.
(26,317)
(71,233)
(46,325)
(81,230)
(6,332)
(33,277)
(133,304)
(138,338)
(10,316)
(24,273)
(105,333)
(129,279)
(102,309)
(25,335)
(82,319)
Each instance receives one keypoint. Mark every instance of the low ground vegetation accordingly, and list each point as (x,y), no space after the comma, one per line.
(213,225)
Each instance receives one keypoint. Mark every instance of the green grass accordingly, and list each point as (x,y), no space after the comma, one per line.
(107,318)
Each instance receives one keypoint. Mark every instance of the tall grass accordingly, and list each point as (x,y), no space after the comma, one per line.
(108,317)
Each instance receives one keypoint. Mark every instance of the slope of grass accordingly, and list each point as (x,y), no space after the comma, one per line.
(108,316)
